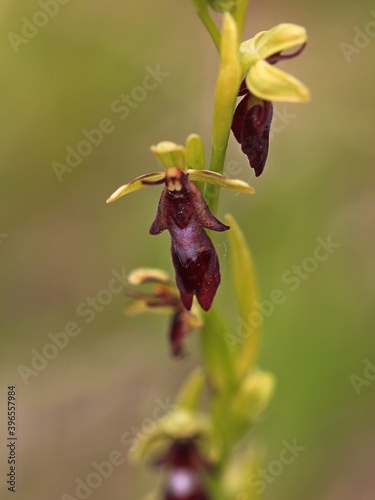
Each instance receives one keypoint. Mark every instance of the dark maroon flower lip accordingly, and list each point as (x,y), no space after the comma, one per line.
(186,467)
(183,453)
(183,211)
(251,128)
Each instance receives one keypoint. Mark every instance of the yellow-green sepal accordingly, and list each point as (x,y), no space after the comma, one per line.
(282,37)
(135,185)
(267,43)
(219,180)
(170,154)
(179,424)
(147,275)
(272,84)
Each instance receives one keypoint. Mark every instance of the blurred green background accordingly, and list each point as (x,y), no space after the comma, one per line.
(60,242)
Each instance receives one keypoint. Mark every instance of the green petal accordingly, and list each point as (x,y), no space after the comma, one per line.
(135,185)
(170,154)
(195,158)
(272,84)
(219,180)
(246,293)
(195,152)
(281,37)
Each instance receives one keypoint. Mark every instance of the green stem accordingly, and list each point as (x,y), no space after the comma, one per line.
(228,82)
(203,13)
(239,14)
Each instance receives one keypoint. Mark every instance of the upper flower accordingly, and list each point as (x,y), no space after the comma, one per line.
(263,83)
(251,127)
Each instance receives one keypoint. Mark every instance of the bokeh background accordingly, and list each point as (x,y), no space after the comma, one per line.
(60,243)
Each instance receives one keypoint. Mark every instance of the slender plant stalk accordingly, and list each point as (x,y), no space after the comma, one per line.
(203,13)
(226,90)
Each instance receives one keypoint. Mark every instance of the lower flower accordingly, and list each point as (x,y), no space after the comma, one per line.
(186,466)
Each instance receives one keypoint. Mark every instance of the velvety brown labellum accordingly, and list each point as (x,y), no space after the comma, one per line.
(183,211)
(251,127)
(186,466)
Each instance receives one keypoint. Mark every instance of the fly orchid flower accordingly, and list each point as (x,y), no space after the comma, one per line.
(182,443)
(162,298)
(184,461)
(264,84)
(183,211)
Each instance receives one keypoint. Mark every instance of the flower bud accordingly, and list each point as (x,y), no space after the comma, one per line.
(222,5)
